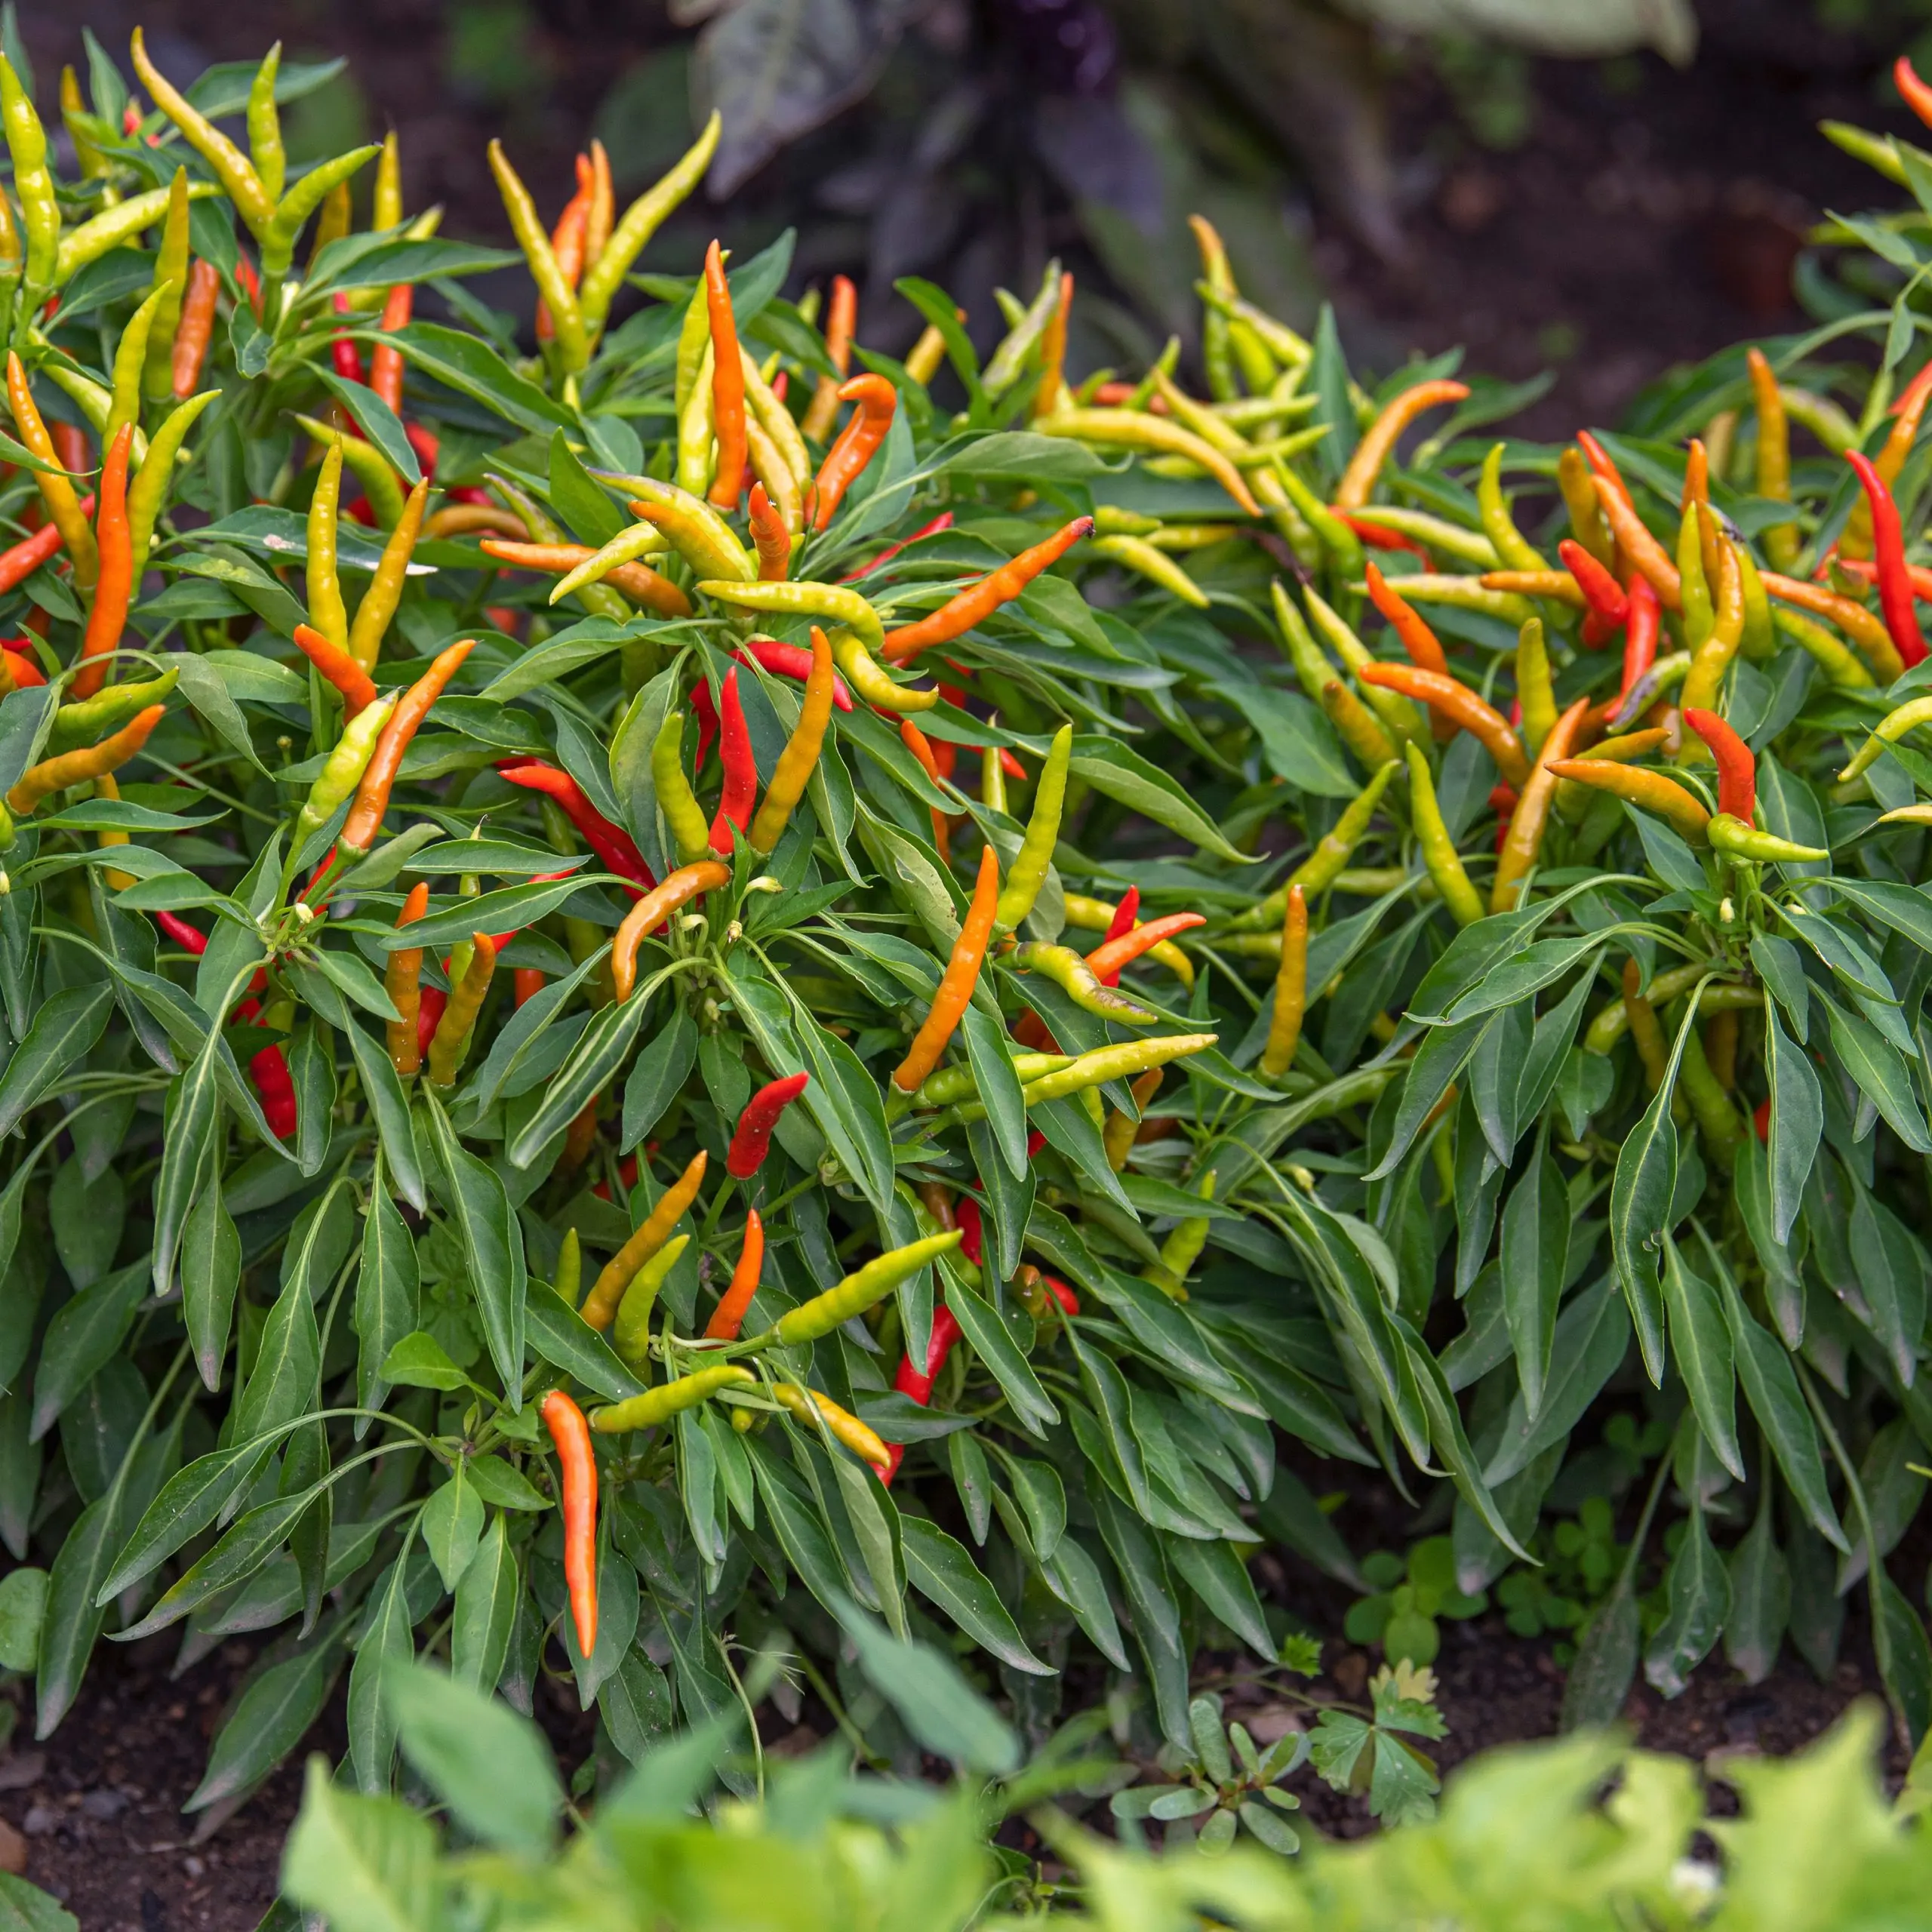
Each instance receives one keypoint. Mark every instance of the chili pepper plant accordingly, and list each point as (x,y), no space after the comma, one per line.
(675,984)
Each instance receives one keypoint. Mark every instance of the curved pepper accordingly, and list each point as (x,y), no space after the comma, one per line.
(972,606)
(1888,552)
(1130,1058)
(858,442)
(92,719)
(844,1428)
(63,507)
(616,850)
(1078,981)
(770,537)
(832,602)
(788,660)
(1461,707)
(372,795)
(1872,638)
(670,1398)
(630,1332)
(1737,768)
(637,581)
(1650,790)
(1378,440)
(1120,950)
(53,774)
(600,1306)
(1424,647)
(751,1140)
(1737,839)
(339,668)
(687,883)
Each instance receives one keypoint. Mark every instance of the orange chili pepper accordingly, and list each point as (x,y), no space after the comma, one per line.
(1378,440)
(1122,949)
(1650,790)
(728,386)
(19,563)
(1532,813)
(1053,351)
(956,984)
(1873,640)
(1915,93)
(858,442)
(372,795)
(51,774)
(687,883)
(577,1465)
(1697,476)
(842,315)
(402,980)
(978,601)
(56,492)
(1461,707)
(569,244)
(21,671)
(1424,647)
(607,1292)
(637,581)
(107,616)
(339,668)
(772,540)
(728,1317)
(195,329)
(385,362)
(1635,541)
(916,742)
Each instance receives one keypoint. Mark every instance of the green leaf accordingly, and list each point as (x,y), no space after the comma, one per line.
(1700,1347)
(491,1767)
(942,1569)
(1127,778)
(1022,452)
(388,1288)
(933,1701)
(493,1247)
(1797,1122)
(1535,1256)
(65,1030)
(386,1641)
(452,1525)
(1880,1072)
(23,1614)
(1699,1601)
(366,1864)
(272,1717)
(390,1105)
(378,423)
(593,1064)
(472,369)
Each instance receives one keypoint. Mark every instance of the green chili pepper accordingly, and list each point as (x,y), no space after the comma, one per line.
(675,798)
(953,1084)
(1182,1248)
(992,775)
(1104,1064)
(1438,850)
(1028,873)
(253,201)
(1514,551)
(1717,1119)
(1322,866)
(93,718)
(95,402)
(148,491)
(293,211)
(860,1290)
(661,1404)
(385,591)
(630,1334)
(1163,364)
(1736,840)
(1009,358)
(693,339)
(697,434)
(1536,689)
(342,771)
(367,464)
(1336,539)
(327,612)
(1311,665)
(33,183)
(1069,971)
(1360,729)
(131,359)
(170,281)
(569,1282)
(1695,590)
(559,296)
(112,226)
(265,147)
(835,603)
(697,532)
(603,277)
(1760,641)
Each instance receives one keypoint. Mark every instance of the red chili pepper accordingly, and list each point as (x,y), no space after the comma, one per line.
(20,563)
(470,492)
(1912,90)
(195,330)
(1035,1141)
(1609,606)
(20,668)
(728,1317)
(916,1384)
(1888,554)
(783,660)
(734,751)
(1640,634)
(251,283)
(1737,769)
(611,843)
(429,1009)
(1125,913)
(275,1087)
(427,444)
(966,1213)
(528,982)
(1760,1119)
(1599,459)
(752,1140)
(577,1465)
(1379,537)
(343,352)
(943,521)
(706,712)
(1503,802)
(183,935)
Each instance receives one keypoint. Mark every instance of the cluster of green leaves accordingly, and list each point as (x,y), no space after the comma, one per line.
(1526,1838)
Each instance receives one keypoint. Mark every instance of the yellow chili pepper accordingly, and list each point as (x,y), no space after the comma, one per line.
(1438,850)
(1029,870)
(148,492)
(1136,554)
(1641,1018)
(799,759)
(1378,440)
(1712,657)
(385,591)
(459,1016)
(600,1306)
(844,1428)
(670,1398)
(1359,728)
(1579,499)
(1182,1248)
(171,280)
(63,506)
(1536,691)
(1515,551)
(327,612)
(1291,987)
(366,463)
(605,276)
(687,883)
(1121,429)
(1399,715)
(1650,790)
(630,1332)
(691,831)
(53,774)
